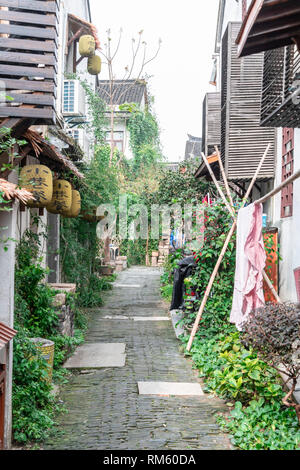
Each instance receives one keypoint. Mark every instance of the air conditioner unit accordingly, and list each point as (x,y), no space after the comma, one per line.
(74,102)
(81,138)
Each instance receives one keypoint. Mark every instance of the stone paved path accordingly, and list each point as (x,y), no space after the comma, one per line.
(105,409)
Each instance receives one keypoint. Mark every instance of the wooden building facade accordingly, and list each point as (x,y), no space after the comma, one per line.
(28,59)
(211,123)
(243,141)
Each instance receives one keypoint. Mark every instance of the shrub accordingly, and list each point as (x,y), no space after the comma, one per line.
(273,331)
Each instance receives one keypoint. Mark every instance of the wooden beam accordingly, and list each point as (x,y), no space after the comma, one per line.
(22,112)
(27,58)
(28,31)
(27,44)
(17,70)
(30,85)
(30,18)
(34,5)
(75,37)
(32,98)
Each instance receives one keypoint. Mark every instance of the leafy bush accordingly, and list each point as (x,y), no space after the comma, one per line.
(274,333)
(235,372)
(262,426)
(34,299)
(33,404)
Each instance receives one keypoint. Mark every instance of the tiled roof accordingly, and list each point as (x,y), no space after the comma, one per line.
(124,91)
(6,334)
(42,148)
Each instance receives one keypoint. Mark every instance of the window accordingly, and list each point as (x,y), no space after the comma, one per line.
(118,140)
(287,171)
(69,96)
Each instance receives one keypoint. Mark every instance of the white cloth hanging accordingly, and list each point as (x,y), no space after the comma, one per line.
(250,263)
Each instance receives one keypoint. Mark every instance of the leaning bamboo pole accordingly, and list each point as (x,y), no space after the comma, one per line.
(233,214)
(229,236)
(224,177)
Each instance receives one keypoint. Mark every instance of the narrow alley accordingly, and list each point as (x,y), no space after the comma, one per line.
(105,410)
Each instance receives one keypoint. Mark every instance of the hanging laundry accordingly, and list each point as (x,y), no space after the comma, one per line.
(250,263)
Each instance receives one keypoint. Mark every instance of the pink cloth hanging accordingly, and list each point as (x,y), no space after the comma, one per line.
(250,263)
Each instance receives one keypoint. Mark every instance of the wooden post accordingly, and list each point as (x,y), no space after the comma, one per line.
(229,236)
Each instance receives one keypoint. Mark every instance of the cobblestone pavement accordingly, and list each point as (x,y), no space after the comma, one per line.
(105,410)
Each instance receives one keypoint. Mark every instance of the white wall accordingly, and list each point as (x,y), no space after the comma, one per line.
(289,228)
(7,284)
(80,9)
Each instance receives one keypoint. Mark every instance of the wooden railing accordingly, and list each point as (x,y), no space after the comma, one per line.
(28,59)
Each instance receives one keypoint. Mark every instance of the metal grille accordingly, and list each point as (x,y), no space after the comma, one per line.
(281,87)
(243,140)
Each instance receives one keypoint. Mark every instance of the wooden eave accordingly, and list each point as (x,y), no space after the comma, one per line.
(269,24)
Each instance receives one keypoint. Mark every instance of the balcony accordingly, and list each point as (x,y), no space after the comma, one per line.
(280,94)
(28,59)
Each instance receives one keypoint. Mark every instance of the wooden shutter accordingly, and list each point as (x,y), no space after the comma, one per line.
(28,58)
(243,141)
(297,280)
(211,122)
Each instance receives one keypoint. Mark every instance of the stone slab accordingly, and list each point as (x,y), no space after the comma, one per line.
(151,319)
(170,389)
(97,356)
(128,286)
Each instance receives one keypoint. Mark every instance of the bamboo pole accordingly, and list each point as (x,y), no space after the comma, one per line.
(279,188)
(229,236)
(233,214)
(224,177)
(230,209)
(271,287)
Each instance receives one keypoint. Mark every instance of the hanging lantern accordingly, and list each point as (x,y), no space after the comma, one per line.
(62,197)
(87,46)
(39,181)
(75,206)
(94,65)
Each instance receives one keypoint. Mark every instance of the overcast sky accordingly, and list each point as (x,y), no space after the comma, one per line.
(182,70)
